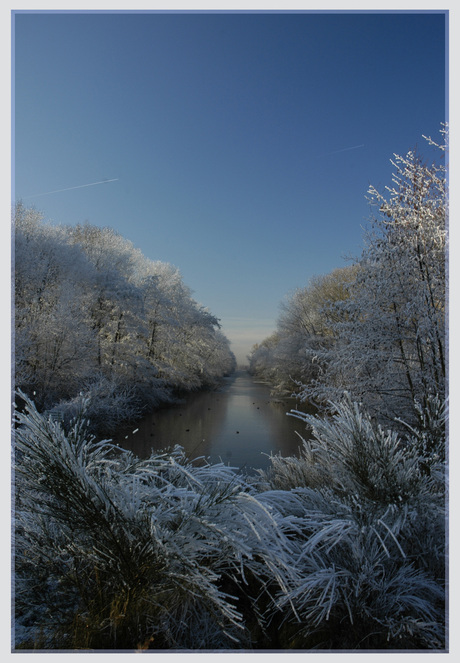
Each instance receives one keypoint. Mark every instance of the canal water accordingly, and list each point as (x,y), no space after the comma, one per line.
(239,424)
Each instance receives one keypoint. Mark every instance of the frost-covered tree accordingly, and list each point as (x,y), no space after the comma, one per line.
(116,306)
(390,351)
(262,361)
(305,326)
(289,358)
(216,356)
(181,338)
(95,316)
(53,342)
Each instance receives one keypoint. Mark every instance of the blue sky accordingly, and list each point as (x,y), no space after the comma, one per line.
(241,144)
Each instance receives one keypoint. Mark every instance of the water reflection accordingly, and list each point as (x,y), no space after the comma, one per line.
(240,424)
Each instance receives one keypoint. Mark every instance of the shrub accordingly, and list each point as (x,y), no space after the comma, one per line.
(115,552)
(367,513)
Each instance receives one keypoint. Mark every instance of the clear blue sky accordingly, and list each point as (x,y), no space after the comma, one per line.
(242,144)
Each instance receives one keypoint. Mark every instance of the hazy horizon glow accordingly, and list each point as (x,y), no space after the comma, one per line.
(240,145)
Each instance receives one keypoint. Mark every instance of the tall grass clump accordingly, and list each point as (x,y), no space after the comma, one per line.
(367,513)
(340,548)
(112,552)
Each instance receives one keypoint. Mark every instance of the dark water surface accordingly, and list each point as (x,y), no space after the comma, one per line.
(240,424)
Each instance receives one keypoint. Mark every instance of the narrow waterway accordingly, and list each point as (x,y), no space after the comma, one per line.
(240,424)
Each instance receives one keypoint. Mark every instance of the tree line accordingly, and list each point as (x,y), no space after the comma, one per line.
(94,318)
(375,329)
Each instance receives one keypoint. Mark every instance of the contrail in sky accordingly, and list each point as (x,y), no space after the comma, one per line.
(81,186)
(345,149)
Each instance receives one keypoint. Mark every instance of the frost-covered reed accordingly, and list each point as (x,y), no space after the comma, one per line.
(368,517)
(340,548)
(112,551)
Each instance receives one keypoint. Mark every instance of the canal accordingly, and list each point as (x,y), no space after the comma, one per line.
(239,424)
